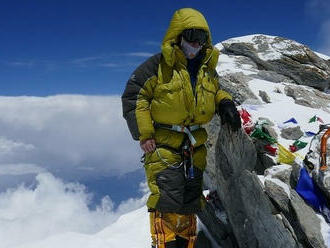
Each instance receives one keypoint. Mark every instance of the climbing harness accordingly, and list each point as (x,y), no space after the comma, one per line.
(181,129)
(187,157)
(187,149)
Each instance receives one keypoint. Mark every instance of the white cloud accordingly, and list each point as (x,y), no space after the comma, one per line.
(21,63)
(109,65)
(53,207)
(325,38)
(152,43)
(20,169)
(73,137)
(320,11)
(139,54)
(9,147)
(82,62)
(318,8)
(68,135)
(134,203)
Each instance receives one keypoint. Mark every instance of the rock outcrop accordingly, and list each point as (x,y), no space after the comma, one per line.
(302,218)
(248,208)
(257,205)
(282,57)
(277,60)
(256,215)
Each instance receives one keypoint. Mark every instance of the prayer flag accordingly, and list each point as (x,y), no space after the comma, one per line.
(293,120)
(313,119)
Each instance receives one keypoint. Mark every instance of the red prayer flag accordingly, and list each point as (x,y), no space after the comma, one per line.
(245,116)
(320,120)
(270,149)
(293,148)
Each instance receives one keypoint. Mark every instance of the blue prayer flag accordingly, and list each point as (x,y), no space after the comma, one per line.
(307,189)
(310,134)
(293,120)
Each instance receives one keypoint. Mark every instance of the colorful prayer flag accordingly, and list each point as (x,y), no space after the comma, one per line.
(293,120)
(270,149)
(313,119)
(310,134)
(300,144)
(245,116)
(258,133)
(285,156)
(320,120)
(308,190)
(293,148)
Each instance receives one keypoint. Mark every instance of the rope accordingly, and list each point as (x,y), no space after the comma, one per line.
(175,165)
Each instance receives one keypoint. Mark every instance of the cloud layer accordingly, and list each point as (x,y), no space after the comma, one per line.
(71,136)
(52,208)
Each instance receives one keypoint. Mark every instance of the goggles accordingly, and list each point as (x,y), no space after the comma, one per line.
(195,35)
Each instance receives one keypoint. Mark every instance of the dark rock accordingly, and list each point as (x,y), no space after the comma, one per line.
(301,217)
(249,210)
(269,130)
(291,133)
(277,90)
(263,162)
(294,177)
(271,76)
(236,84)
(307,97)
(202,241)
(264,96)
(221,231)
(269,122)
(322,180)
(282,172)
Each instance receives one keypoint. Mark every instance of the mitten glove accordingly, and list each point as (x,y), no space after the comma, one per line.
(229,114)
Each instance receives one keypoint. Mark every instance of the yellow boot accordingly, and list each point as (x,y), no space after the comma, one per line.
(168,228)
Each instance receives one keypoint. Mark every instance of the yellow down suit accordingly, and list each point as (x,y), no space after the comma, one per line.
(159,93)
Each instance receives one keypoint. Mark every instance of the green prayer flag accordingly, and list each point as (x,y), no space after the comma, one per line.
(300,144)
(313,119)
(259,134)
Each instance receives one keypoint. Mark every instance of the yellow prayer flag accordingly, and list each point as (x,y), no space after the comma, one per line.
(284,155)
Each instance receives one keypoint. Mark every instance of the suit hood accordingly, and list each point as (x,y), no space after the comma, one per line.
(182,19)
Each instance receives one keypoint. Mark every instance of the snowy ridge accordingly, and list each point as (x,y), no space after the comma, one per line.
(274,47)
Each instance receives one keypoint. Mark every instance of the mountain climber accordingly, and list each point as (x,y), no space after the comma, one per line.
(165,102)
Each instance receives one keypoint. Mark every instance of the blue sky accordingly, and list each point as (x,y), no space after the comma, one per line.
(91,47)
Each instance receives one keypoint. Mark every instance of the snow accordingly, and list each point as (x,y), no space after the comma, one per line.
(322,56)
(230,64)
(283,108)
(262,180)
(325,230)
(130,230)
(275,47)
(276,169)
(247,38)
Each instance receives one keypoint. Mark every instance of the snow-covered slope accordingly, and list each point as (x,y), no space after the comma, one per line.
(130,230)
